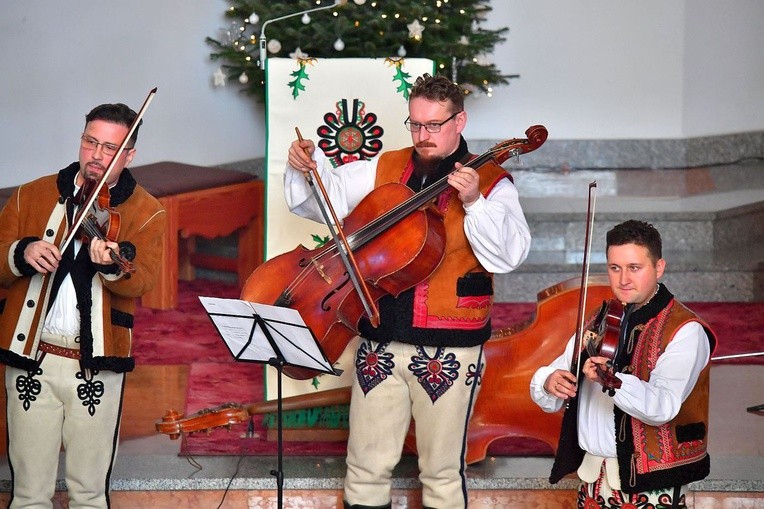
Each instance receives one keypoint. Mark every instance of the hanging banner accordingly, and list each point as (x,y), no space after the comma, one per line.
(352,108)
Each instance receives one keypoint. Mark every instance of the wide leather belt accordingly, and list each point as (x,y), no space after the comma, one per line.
(61,351)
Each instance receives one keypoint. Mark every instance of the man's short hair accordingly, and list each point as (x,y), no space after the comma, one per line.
(440,89)
(639,233)
(116,114)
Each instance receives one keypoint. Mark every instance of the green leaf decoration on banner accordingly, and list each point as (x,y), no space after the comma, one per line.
(299,75)
(404,85)
(319,240)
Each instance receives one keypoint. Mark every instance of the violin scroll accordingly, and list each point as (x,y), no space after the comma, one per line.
(224,416)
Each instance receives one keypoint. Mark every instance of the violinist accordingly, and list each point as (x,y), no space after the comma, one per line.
(65,328)
(425,358)
(636,424)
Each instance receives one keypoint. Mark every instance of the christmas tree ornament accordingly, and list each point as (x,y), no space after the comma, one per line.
(305,19)
(243,78)
(415,30)
(401,51)
(359,2)
(298,54)
(339,44)
(253,18)
(482,59)
(464,41)
(274,46)
(218,78)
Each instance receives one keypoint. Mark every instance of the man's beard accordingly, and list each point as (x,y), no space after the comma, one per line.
(426,166)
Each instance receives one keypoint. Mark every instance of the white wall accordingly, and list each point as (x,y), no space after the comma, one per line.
(590,69)
(723,67)
(59,59)
(605,69)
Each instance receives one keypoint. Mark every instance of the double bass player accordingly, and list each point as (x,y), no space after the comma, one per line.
(425,358)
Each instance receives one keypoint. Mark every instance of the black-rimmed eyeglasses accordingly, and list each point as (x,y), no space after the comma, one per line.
(431,127)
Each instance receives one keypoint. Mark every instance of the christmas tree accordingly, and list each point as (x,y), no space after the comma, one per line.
(447,31)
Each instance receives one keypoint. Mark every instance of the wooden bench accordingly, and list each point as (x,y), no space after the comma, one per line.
(206,202)
(200,201)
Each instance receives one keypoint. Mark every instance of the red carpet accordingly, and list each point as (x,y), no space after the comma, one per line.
(186,336)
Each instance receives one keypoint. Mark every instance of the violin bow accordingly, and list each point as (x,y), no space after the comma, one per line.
(585,276)
(80,217)
(343,247)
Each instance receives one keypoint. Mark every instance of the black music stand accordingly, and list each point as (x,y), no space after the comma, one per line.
(267,334)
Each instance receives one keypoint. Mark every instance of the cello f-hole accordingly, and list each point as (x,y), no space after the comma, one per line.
(324,302)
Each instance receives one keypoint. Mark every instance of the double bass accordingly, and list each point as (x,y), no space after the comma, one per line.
(398,240)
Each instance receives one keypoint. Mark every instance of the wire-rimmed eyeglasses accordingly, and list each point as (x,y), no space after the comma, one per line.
(431,127)
(109,149)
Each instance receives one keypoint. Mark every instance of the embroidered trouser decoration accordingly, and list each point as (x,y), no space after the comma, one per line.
(90,391)
(372,365)
(28,388)
(599,494)
(435,374)
(436,388)
(61,405)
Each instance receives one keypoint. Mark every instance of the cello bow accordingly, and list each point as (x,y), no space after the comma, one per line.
(343,247)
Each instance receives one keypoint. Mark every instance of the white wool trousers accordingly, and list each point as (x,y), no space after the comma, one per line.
(61,405)
(395,382)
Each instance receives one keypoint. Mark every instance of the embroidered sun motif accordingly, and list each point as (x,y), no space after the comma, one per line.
(350,133)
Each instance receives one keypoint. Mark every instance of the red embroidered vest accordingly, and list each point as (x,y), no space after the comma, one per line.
(448,299)
(674,453)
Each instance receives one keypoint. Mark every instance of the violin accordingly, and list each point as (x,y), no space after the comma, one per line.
(94,218)
(102,222)
(602,340)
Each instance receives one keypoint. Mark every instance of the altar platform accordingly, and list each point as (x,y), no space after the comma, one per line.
(150,473)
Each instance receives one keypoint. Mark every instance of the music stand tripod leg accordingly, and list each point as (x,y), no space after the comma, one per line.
(278,363)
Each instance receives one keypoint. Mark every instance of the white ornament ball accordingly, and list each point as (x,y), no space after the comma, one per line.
(274,46)
(243,78)
(253,18)
(305,19)
(359,2)
(339,44)
(401,51)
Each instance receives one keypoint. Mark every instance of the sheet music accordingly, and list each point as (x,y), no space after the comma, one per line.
(237,323)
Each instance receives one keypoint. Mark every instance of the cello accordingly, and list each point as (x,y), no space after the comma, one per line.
(398,238)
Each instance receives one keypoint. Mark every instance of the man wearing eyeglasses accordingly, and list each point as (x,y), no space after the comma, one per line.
(425,359)
(65,330)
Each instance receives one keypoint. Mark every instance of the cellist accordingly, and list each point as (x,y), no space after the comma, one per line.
(425,358)
(636,427)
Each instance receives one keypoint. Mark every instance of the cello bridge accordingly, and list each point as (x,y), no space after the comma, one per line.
(320,270)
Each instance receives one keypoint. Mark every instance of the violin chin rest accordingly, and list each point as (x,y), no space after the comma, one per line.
(127,250)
